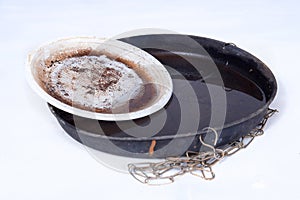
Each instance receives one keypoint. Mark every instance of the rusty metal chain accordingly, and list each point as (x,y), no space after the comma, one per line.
(196,163)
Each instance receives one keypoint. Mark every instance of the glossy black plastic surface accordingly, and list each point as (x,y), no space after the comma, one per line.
(248,84)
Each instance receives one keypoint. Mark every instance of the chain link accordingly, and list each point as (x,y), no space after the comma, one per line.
(196,163)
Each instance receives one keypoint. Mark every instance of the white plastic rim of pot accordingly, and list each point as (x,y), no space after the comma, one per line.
(155,70)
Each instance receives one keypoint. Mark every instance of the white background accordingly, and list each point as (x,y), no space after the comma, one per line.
(39,161)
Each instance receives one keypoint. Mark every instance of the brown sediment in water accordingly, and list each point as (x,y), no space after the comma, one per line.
(102,80)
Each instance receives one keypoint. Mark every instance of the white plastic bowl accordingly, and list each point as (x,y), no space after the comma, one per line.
(155,70)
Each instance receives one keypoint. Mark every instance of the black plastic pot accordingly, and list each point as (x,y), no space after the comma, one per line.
(249,88)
